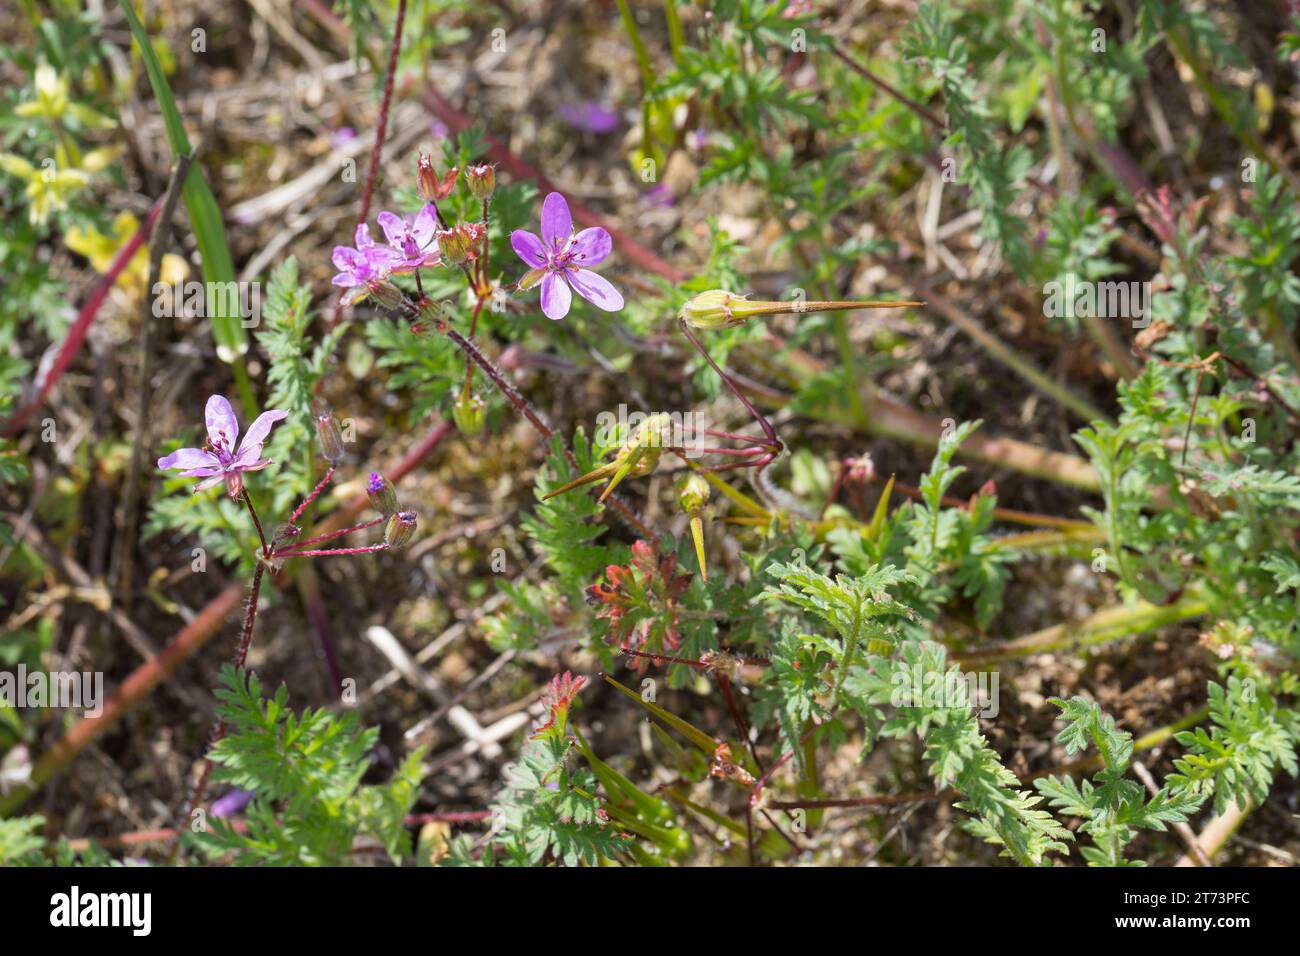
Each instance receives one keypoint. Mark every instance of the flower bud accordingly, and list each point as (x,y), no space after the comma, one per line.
(400,528)
(453,245)
(693,492)
(381,494)
(430,187)
(714,309)
(482,180)
(469,413)
(385,294)
(327,431)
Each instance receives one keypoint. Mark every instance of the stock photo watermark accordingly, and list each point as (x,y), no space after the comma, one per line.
(1075,298)
(198,300)
(65,690)
(680,431)
(952,689)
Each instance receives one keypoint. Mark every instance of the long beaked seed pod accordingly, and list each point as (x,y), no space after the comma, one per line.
(719,309)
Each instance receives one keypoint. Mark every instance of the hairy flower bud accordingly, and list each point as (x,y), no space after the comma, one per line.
(400,528)
(453,245)
(469,413)
(385,294)
(431,188)
(482,180)
(381,494)
(327,431)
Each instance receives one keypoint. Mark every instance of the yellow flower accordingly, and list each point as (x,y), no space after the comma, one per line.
(50,185)
(101,250)
(51,95)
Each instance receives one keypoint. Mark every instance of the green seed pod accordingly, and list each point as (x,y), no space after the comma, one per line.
(469,413)
(692,492)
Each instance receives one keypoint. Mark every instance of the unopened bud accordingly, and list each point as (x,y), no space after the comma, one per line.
(482,180)
(385,294)
(327,431)
(430,187)
(453,245)
(381,494)
(693,492)
(399,529)
(469,413)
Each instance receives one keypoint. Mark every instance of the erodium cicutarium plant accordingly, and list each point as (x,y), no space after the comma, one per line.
(221,460)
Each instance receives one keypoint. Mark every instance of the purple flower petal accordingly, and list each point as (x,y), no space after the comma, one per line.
(231,802)
(260,428)
(426,223)
(207,471)
(528,247)
(207,483)
(556,297)
(557,224)
(595,289)
(346,259)
(223,428)
(248,458)
(589,116)
(393,226)
(362,239)
(591,246)
(189,458)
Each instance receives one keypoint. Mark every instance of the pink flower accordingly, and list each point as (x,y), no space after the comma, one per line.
(410,238)
(559,259)
(369,262)
(217,460)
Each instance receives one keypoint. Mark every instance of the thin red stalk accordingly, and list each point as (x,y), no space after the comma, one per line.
(266,548)
(241,655)
(761,782)
(907,101)
(333,534)
(331,551)
(77,332)
(293,518)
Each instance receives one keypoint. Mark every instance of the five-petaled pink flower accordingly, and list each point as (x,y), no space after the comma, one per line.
(218,460)
(412,240)
(559,260)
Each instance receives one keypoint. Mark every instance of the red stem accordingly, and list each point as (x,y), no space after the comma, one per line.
(77,332)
